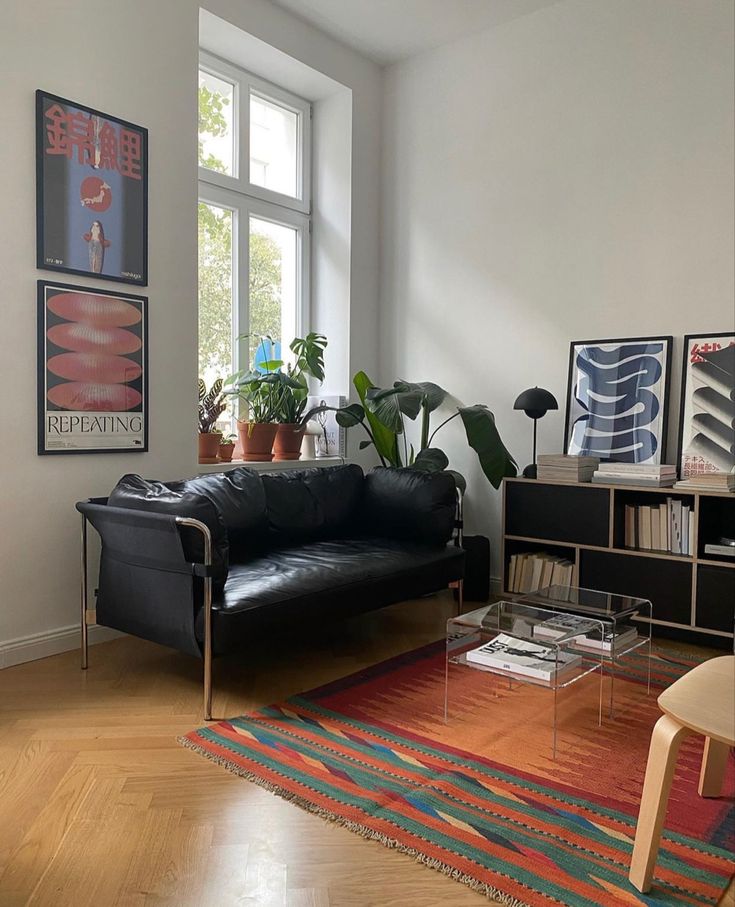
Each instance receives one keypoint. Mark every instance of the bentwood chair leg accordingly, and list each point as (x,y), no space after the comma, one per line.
(714,765)
(84,631)
(665,741)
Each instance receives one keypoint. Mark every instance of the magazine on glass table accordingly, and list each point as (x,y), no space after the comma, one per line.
(566,624)
(527,659)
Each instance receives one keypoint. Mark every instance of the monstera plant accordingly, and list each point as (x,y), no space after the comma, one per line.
(382,414)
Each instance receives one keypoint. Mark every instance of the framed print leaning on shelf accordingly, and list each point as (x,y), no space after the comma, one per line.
(92,370)
(617,399)
(91,192)
(707,420)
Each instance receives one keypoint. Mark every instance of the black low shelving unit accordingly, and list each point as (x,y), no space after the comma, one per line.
(693,595)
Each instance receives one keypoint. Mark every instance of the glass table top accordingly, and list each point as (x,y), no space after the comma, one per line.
(586,601)
(521,619)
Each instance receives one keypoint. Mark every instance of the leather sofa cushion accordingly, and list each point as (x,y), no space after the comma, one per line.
(410,504)
(310,504)
(137,493)
(239,496)
(324,579)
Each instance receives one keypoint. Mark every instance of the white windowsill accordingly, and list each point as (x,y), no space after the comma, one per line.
(272,466)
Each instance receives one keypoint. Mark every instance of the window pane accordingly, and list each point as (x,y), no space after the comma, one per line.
(216,135)
(215,292)
(274,132)
(273,284)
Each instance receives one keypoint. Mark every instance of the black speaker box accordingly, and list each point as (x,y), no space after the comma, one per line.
(477,568)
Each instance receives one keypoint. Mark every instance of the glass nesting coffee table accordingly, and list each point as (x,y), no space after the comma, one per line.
(548,641)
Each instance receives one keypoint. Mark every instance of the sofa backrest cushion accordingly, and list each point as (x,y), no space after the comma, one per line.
(410,504)
(313,503)
(239,496)
(137,493)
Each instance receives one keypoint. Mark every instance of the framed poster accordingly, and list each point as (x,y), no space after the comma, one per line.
(91,192)
(707,418)
(617,395)
(92,370)
(331,441)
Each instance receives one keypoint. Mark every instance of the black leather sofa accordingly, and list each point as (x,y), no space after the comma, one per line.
(206,564)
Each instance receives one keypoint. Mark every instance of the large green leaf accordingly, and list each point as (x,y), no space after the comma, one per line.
(431,393)
(386,440)
(484,439)
(390,405)
(431,459)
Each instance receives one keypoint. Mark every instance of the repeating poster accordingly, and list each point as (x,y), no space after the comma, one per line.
(92,370)
(707,423)
(92,192)
(617,399)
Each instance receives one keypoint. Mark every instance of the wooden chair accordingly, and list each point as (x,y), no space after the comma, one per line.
(700,702)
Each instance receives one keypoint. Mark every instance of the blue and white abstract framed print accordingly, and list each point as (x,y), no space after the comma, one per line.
(617,399)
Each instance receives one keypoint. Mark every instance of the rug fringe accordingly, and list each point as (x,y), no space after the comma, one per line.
(491,893)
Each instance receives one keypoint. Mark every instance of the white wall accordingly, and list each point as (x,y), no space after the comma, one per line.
(136,60)
(567,175)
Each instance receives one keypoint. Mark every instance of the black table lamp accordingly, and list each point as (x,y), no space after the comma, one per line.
(535,403)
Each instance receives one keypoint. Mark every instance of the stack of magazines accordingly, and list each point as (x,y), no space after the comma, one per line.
(591,637)
(518,656)
(708,481)
(641,474)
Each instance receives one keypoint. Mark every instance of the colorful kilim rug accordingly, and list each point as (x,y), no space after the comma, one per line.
(480,797)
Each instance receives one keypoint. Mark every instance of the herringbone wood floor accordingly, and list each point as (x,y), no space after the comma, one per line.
(100,806)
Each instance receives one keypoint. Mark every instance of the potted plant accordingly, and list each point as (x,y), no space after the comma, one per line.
(382,413)
(292,391)
(226,448)
(254,391)
(212,404)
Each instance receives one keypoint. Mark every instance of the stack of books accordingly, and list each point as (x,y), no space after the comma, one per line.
(563,468)
(518,656)
(537,570)
(665,527)
(635,474)
(591,639)
(708,481)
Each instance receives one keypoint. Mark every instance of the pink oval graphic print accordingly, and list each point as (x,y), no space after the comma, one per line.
(86,338)
(94,367)
(100,311)
(87,397)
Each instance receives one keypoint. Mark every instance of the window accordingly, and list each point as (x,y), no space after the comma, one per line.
(254,216)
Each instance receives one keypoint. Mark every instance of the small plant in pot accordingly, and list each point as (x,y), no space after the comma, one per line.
(293,391)
(275,399)
(226,448)
(212,403)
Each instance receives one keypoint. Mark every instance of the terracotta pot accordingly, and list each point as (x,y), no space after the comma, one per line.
(287,445)
(225,452)
(208,446)
(257,439)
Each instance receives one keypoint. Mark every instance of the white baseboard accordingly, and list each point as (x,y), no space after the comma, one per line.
(53,642)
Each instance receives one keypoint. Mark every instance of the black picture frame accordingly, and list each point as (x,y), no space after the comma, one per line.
(684,420)
(667,346)
(86,337)
(61,176)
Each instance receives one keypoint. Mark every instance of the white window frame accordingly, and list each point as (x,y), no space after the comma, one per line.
(235,193)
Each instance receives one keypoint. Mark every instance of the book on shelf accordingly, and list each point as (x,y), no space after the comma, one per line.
(708,481)
(562,474)
(606,478)
(567,461)
(636,469)
(666,527)
(527,659)
(534,570)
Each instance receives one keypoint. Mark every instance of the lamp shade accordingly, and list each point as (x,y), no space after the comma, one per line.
(536,402)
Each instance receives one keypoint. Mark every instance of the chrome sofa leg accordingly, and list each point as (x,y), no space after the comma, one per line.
(208,649)
(460,597)
(85,634)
